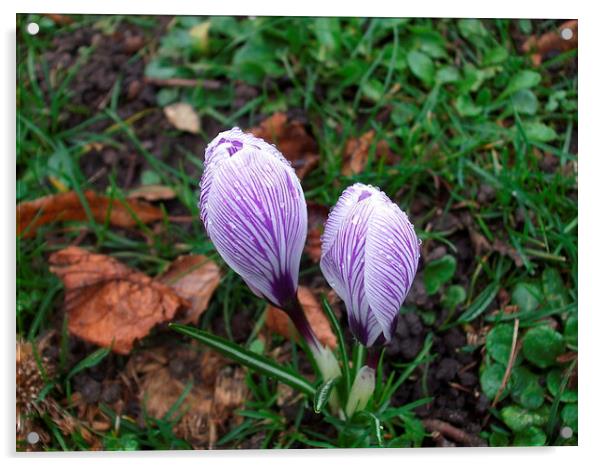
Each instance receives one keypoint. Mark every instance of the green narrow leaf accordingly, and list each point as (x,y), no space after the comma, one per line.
(89,361)
(479,305)
(323,394)
(248,358)
(334,322)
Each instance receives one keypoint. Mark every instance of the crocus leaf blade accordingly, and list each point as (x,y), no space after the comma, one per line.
(248,359)
(323,394)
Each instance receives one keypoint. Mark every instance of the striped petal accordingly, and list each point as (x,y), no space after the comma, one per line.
(343,261)
(254,211)
(392,254)
(369,256)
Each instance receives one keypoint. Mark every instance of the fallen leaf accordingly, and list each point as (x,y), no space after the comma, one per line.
(357,152)
(317,215)
(230,392)
(278,321)
(552,41)
(109,303)
(67,206)
(152,192)
(59,20)
(507,250)
(217,390)
(183,117)
(292,140)
(194,278)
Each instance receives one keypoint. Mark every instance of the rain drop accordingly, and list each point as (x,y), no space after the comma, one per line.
(355,219)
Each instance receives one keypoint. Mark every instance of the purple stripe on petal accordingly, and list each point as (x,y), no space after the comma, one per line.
(369,256)
(257,218)
(392,253)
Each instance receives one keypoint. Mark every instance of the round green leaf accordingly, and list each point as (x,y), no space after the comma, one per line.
(499,343)
(530,437)
(421,66)
(518,418)
(453,297)
(524,101)
(439,272)
(542,345)
(570,331)
(466,107)
(491,380)
(524,79)
(526,389)
(447,74)
(539,132)
(569,416)
(498,439)
(554,288)
(527,296)
(553,381)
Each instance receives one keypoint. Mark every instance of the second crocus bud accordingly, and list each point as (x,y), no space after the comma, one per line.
(370,254)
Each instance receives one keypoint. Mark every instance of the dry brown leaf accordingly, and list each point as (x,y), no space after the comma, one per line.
(551,42)
(292,140)
(194,278)
(153,192)
(67,206)
(317,215)
(109,303)
(183,117)
(278,321)
(357,152)
(506,250)
(217,391)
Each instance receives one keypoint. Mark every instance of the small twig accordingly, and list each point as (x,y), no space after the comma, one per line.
(509,366)
(511,359)
(208,84)
(458,435)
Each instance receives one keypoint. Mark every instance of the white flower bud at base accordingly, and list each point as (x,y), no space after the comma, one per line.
(361,391)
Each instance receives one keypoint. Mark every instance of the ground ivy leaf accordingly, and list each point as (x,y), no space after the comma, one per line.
(553,381)
(542,345)
(422,66)
(491,380)
(553,288)
(453,297)
(466,107)
(527,296)
(524,79)
(438,272)
(530,437)
(569,416)
(499,343)
(524,101)
(498,439)
(519,419)
(570,331)
(539,132)
(526,389)
(447,74)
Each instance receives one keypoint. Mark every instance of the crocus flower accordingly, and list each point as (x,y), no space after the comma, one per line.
(370,253)
(253,209)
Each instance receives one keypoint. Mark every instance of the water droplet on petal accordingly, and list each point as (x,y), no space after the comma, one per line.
(355,219)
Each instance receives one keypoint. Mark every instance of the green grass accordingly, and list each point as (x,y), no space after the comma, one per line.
(456,102)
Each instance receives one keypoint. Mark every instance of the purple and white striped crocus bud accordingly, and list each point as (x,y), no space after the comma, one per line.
(370,253)
(253,209)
